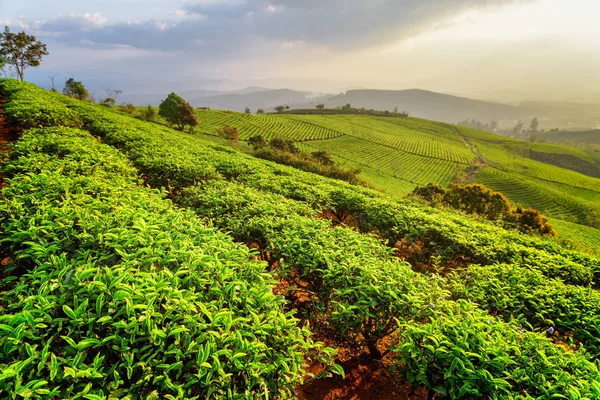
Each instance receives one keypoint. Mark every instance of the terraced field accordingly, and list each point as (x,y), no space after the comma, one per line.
(558,200)
(585,236)
(396,154)
(267,125)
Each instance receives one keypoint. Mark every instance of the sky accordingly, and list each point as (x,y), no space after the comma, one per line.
(506,50)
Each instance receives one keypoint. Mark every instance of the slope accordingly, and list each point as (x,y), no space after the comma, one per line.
(397,154)
(154,277)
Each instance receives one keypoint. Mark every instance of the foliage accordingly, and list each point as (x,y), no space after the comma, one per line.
(115,292)
(280,109)
(149,114)
(284,145)
(257,142)
(528,220)
(75,89)
(464,353)
(285,152)
(108,102)
(21,51)
(176,111)
(509,291)
(477,199)
(74,204)
(229,133)
(431,193)
(323,157)
(127,108)
(260,111)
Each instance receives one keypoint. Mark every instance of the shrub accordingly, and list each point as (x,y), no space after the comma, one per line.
(230,133)
(465,353)
(528,220)
(149,114)
(257,142)
(127,108)
(323,157)
(114,292)
(477,199)
(431,193)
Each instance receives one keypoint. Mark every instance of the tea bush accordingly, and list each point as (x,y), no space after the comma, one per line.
(113,292)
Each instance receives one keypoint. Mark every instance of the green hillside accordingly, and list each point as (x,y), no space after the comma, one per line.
(142,262)
(397,154)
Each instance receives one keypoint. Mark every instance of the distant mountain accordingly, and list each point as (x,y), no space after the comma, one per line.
(417,102)
(450,108)
(266,99)
(429,105)
(155,98)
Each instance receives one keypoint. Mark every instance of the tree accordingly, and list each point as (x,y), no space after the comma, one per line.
(108,102)
(260,111)
(287,107)
(230,133)
(279,144)
(395,110)
(178,112)
(535,123)
(53,89)
(247,110)
(112,93)
(127,108)
(323,157)
(516,131)
(284,145)
(21,51)
(280,109)
(149,114)
(75,89)
(320,106)
(347,107)
(257,142)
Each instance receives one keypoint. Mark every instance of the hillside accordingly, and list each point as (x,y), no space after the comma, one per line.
(146,262)
(397,154)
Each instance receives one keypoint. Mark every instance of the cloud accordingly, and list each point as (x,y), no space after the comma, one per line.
(235,38)
(229,26)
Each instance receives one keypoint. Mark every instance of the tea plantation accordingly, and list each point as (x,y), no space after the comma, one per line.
(141,262)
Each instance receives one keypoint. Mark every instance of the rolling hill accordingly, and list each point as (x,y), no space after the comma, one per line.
(397,154)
